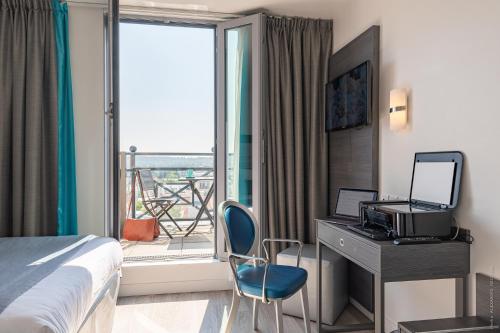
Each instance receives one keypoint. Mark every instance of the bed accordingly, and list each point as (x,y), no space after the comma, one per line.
(58,284)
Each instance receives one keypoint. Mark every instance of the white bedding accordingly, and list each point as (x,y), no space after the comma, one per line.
(60,301)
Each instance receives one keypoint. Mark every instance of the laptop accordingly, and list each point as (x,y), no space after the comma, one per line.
(347,206)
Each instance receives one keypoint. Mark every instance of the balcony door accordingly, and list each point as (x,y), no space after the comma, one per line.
(237,162)
(239,109)
(167,138)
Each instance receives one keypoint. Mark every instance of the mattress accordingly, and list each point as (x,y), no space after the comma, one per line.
(49,284)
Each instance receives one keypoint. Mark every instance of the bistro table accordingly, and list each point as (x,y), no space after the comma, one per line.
(204,201)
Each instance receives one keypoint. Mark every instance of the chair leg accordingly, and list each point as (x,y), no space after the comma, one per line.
(173,220)
(232,313)
(255,314)
(278,306)
(165,229)
(305,309)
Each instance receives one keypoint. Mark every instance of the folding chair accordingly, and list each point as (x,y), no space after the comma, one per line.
(156,206)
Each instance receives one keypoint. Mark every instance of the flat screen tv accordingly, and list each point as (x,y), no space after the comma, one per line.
(348,99)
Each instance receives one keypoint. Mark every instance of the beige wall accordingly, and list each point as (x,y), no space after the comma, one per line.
(87,65)
(446,53)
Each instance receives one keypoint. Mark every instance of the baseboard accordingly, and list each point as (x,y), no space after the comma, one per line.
(140,289)
(174,277)
(361,308)
(389,322)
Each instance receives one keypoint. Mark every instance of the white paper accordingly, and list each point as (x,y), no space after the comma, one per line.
(433,182)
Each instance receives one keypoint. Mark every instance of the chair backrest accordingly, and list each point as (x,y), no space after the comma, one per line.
(146,183)
(239,226)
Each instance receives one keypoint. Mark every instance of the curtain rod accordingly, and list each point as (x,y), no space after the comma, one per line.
(84,3)
(161,11)
(176,13)
(294,16)
(279,16)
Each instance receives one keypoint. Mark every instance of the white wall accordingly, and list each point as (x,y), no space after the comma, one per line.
(447,54)
(86,37)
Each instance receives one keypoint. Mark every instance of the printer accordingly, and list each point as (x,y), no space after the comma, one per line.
(434,193)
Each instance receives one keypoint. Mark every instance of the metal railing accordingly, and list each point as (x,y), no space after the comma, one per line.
(169,167)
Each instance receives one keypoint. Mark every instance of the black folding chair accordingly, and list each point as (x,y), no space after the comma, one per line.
(155,205)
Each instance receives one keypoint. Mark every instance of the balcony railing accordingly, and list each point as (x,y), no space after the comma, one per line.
(168,169)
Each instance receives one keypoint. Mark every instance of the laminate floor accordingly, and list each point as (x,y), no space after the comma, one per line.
(203,313)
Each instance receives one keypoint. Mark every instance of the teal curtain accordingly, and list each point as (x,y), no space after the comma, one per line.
(66,173)
(245,140)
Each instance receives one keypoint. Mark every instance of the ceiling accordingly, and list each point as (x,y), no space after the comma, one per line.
(309,8)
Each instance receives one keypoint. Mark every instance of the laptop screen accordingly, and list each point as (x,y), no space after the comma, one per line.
(348,201)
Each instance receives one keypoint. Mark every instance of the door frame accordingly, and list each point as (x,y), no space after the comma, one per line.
(111,120)
(258,152)
(115,128)
(257,21)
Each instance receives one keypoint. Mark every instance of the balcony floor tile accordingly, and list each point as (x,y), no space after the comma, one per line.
(199,244)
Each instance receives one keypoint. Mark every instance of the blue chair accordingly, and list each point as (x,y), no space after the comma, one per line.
(256,277)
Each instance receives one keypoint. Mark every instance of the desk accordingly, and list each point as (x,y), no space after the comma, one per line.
(392,263)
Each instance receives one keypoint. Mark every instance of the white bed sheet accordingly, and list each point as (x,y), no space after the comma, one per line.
(60,301)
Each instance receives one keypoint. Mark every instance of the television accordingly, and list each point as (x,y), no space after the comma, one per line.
(348,99)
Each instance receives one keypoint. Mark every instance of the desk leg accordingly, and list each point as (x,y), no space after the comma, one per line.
(461,297)
(379,304)
(318,285)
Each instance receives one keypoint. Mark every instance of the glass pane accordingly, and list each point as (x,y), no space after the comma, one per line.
(173,134)
(238,55)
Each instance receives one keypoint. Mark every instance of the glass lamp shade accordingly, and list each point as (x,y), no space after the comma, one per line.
(398,112)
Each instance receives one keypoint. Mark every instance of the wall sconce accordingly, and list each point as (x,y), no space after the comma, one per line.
(398,110)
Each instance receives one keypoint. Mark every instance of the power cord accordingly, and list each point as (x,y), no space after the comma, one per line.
(456,226)
(468,237)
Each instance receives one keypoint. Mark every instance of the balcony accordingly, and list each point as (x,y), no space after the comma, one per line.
(185,178)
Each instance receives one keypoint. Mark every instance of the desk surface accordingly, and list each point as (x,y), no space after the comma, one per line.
(448,259)
(474,324)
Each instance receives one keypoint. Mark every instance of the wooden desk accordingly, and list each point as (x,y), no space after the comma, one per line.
(392,263)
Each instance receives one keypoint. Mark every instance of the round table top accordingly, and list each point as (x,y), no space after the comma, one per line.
(195,179)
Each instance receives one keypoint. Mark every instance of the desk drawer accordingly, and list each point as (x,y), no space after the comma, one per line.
(357,250)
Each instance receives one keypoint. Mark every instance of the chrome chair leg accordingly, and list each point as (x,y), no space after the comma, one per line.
(305,309)
(255,314)
(232,313)
(278,306)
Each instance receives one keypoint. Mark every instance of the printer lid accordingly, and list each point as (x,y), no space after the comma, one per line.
(436,178)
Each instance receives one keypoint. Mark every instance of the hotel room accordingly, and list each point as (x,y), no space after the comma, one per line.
(249,166)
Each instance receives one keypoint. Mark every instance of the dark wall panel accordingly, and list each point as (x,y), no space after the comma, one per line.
(353,153)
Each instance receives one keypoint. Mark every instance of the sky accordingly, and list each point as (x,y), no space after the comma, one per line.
(166,88)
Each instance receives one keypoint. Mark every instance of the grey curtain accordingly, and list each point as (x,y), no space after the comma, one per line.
(296,146)
(28,119)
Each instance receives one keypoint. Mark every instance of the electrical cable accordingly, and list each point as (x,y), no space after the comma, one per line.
(456,226)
